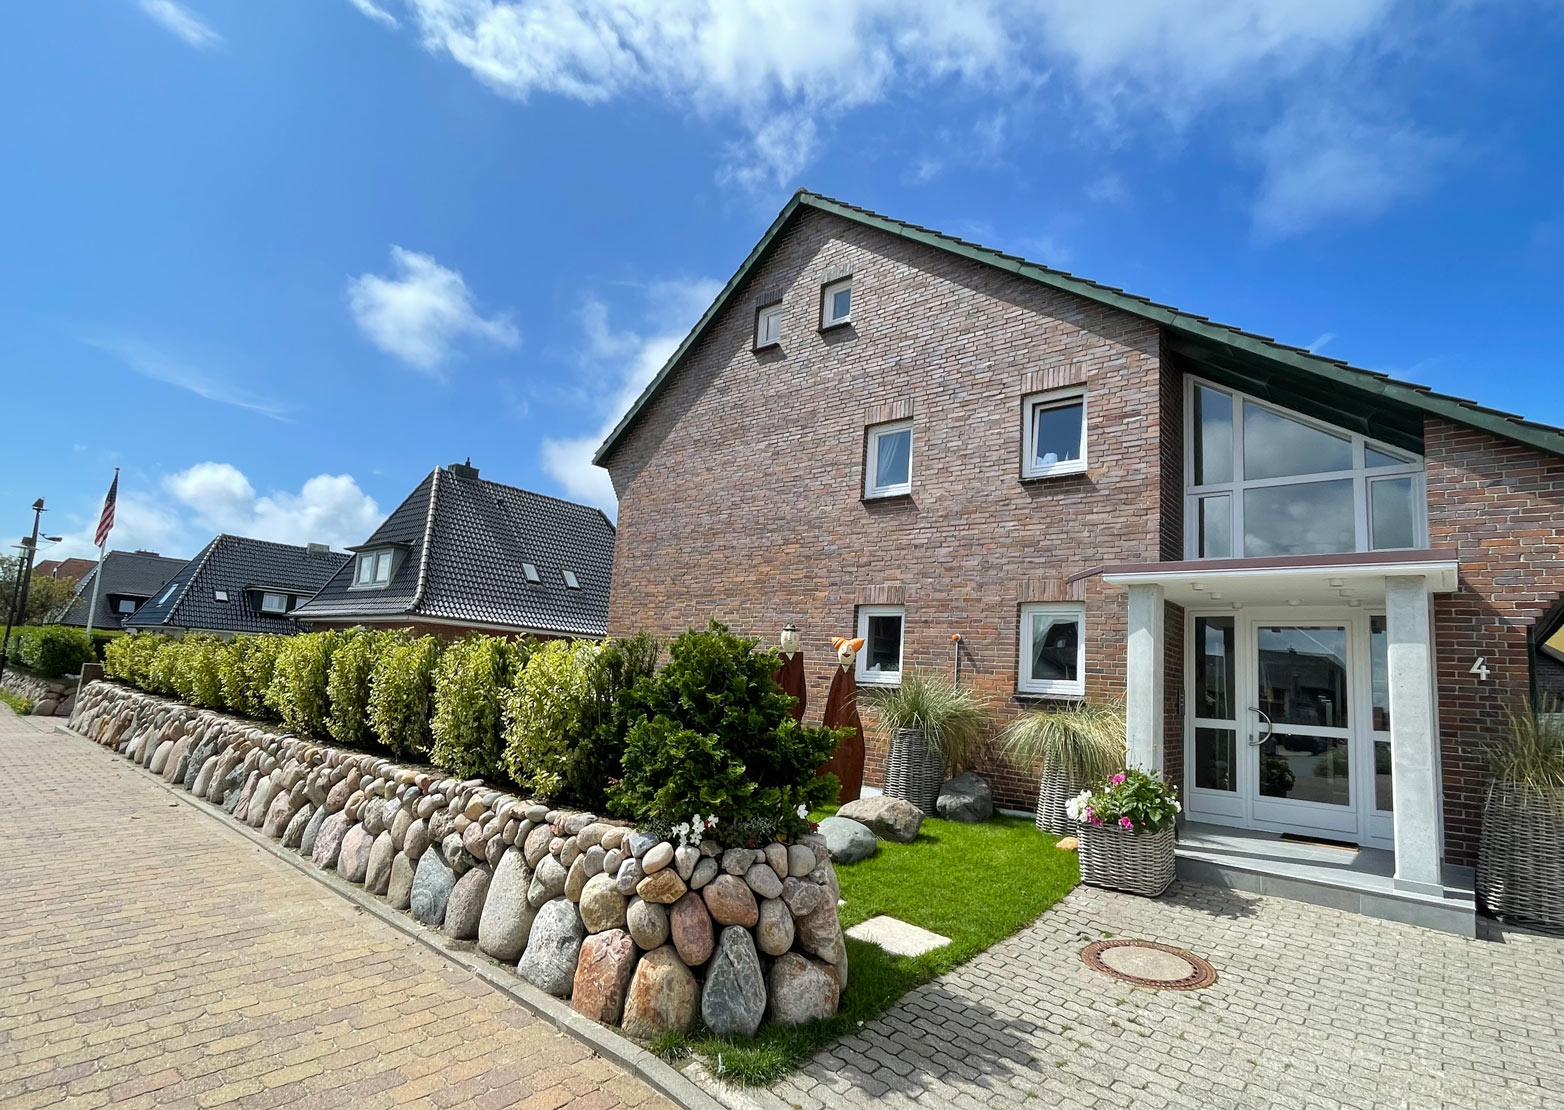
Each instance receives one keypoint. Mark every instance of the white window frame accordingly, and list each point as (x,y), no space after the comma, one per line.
(372,559)
(768,314)
(1057,398)
(1059,688)
(871,459)
(267,595)
(865,676)
(827,296)
(1360,474)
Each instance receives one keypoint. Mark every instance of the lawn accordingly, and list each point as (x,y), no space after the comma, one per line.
(975,884)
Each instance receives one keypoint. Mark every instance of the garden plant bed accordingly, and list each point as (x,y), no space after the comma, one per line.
(974,883)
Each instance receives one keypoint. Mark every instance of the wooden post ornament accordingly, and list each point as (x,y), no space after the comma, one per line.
(791,674)
(841,712)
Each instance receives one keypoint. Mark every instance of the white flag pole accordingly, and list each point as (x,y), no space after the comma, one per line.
(97,581)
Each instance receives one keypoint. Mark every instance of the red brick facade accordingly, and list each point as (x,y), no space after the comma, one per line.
(741,487)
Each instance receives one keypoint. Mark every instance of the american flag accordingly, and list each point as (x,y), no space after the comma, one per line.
(106,521)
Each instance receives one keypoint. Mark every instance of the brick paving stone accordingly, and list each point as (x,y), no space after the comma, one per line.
(151,957)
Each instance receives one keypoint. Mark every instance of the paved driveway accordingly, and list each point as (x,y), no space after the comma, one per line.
(1313,1008)
(149,956)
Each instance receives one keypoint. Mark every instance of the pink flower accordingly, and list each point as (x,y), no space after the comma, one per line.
(1117,779)
(1126,823)
(1097,821)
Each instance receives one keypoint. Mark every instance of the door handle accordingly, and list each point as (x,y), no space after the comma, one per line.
(1269,728)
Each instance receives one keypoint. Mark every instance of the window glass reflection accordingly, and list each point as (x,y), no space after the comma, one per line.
(1215,752)
(1306,769)
(1056,643)
(1303,675)
(1276,446)
(1390,513)
(1313,518)
(1214,661)
(1213,436)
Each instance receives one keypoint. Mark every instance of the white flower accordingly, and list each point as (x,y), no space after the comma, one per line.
(803,811)
(1077,804)
(711,822)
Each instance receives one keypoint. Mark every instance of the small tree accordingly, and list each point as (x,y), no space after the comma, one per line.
(400,689)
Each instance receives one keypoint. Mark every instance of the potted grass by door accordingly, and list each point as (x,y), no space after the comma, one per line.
(936,729)
(1520,856)
(1077,745)
(1126,833)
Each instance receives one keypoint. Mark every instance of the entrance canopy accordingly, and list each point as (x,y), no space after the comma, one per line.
(1350,579)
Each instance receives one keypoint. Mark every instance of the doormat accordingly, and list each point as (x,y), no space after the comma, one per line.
(1148,964)
(1298,838)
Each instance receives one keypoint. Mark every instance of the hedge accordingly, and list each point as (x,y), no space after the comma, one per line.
(50,650)
(400,691)
(470,686)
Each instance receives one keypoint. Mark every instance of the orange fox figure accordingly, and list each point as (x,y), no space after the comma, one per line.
(841,711)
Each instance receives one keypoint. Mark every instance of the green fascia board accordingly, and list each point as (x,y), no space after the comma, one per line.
(1509,426)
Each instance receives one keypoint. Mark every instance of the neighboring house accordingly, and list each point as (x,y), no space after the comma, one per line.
(63,568)
(237,585)
(1275,558)
(129,579)
(463,553)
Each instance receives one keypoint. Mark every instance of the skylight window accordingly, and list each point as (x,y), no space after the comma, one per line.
(168,593)
(531,572)
(220,595)
(571,581)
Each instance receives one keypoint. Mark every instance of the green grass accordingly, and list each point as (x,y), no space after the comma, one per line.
(975,884)
(23,706)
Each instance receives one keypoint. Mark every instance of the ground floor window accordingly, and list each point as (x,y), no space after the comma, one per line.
(1053,650)
(881,628)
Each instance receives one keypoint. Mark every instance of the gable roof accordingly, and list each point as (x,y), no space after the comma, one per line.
(241,568)
(1363,400)
(463,542)
(137,574)
(63,568)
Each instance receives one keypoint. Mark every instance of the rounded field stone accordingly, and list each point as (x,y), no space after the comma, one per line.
(657,857)
(848,841)
(731,902)
(432,885)
(602,906)
(763,881)
(548,881)
(464,909)
(329,841)
(647,923)
(507,914)
(690,927)
(549,962)
(416,841)
(774,931)
(353,859)
(800,860)
(733,1000)
(603,970)
(801,990)
(400,890)
(663,997)
(293,835)
(665,887)
(801,895)
(377,876)
(312,832)
(705,871)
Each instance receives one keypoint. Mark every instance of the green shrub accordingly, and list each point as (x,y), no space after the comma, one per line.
(596,762)
(546,713)
(245,669)
(297,693)
(470,688)
(711,734)
(196,679)
(347,684)
(130,658)
(163,669)
(51,649)
(400,689)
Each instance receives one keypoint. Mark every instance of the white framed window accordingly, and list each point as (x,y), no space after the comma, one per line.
(125,605)
(881,628)
(1262,480)
(374,570)
(219,595)
(274,603)
(571,581)
(1055,433)
(768,326)
(530,572)
(1053,650)
(887,468)
(836,303)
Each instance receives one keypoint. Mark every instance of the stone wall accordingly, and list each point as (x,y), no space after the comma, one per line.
(634,930)
(51,697)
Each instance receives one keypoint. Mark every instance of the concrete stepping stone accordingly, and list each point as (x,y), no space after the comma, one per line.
(897,937)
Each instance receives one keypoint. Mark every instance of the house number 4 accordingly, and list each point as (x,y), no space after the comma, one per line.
(1480,669)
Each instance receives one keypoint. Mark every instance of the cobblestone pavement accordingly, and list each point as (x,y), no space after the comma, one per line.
(149,956)
(1312,1008)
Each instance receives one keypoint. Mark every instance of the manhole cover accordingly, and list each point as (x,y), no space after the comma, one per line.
(1149,964)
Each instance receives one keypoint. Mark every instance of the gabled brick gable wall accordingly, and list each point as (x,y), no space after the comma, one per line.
(740,489)
(1502,505)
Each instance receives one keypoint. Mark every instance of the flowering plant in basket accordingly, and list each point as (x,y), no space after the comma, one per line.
(1133,800)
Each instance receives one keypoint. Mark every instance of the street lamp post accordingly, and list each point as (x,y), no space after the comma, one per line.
(24,575)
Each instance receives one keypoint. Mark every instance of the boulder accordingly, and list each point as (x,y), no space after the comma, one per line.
(630,876)
(602,906)
(312,832)
(507,914)
(665,887)
(663,997)
(293,835)
(432,886)
(603,972)
(685,859)
(802,896)
(416,840)
(801,990)
(377,876)
(160,757)
(575,878)
(762,879)
(891,818)
(965,798)
(690,926)
(455,853)
(733,1000)
(647,923)
(657,857)
(328,842)
(774,931)
(730,901)
(353,859)
(536,845)
(848,841)
(548,881)
(704,872)
(399,893)
(553,948)
(820,934)
(464,910)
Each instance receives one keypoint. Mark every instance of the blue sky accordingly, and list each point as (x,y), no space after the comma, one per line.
(278,260)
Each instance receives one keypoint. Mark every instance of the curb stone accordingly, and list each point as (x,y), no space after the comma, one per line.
(658,1074)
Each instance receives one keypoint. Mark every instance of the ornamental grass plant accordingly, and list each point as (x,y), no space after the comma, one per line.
(955,719)
(1530,752)
(1083,741)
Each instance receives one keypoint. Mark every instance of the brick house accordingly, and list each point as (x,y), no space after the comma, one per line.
(1314,587)
(462,553)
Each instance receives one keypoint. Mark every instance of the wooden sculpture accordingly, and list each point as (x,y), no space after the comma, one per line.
(841,711)
(791,675)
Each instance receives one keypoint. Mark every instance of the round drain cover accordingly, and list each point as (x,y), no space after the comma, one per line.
(1149,964)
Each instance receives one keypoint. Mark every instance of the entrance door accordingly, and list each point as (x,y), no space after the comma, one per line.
(1300,728)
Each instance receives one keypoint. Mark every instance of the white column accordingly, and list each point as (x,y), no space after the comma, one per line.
(1145,674)
(1414,743)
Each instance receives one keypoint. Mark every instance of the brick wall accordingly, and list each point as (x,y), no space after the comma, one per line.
(1502,505)
(740,490)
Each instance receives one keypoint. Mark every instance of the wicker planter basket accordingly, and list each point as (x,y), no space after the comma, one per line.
(1139,863)
(1053,792)
(1520,858)
(914,771)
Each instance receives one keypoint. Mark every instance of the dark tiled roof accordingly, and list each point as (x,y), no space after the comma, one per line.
(464,542)
(138,574)
(1234,345)
(241,568)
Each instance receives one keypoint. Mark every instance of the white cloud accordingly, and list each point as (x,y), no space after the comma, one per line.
(1326,164)
(624,360)
(204,381)
(180,21)
(419,315)
(375,12)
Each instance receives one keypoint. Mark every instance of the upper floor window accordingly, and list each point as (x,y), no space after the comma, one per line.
(768,326)
(274,603)
(219,595)
(168,593)
(888,460)
(373,570)
(836,303)
(1055,434)
(880,627)
(1264,481)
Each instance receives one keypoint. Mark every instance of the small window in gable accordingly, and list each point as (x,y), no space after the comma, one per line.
(1055,434)
(530,572)
(888,460)
(274,603)
(570,580)
(768,326)
(836,304)
(374,569)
